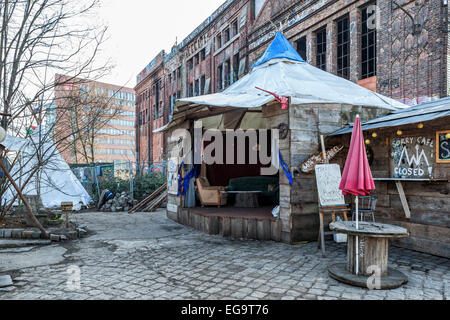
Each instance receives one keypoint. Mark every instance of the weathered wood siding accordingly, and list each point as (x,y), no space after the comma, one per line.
(429,202)
(275,116)
(173,201)
(307,123)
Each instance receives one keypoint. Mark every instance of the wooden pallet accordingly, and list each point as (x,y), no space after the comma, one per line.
(144,203)
(153,205)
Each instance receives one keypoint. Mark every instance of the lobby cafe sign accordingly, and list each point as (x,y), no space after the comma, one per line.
(412,157)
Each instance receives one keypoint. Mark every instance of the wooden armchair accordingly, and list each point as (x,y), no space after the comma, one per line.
(210,196)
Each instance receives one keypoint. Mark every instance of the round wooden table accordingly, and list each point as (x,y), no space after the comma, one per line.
(373,245)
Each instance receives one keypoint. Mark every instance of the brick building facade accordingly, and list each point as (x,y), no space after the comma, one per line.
(397,48)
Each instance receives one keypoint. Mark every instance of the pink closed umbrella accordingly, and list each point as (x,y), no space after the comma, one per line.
(357,178)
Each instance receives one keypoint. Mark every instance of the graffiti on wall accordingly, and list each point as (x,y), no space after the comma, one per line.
(412,157)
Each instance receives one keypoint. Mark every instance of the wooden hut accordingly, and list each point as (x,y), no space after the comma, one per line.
(301,102)
(409,151)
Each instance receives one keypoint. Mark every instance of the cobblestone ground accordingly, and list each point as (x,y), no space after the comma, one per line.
(191,265)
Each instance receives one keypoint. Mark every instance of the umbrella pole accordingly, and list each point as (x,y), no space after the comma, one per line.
(356,238)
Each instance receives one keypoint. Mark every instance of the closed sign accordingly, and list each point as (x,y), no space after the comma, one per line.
(412,157)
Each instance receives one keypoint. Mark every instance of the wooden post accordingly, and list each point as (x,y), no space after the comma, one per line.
(25,202)
(324,151)
(403,199)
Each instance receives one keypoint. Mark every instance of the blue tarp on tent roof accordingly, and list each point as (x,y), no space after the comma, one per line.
(279,48)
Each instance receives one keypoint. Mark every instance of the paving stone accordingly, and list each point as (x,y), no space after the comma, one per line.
(7,233)
(192,265)
(16,233)
(5,281)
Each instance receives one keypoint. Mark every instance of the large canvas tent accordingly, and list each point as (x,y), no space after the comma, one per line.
(282,70)
(57,182)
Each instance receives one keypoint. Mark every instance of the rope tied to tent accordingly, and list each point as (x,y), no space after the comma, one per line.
(285,167)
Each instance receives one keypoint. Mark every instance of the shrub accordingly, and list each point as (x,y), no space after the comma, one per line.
(143,185)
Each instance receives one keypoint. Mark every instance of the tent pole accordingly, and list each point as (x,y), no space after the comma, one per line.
(25,202)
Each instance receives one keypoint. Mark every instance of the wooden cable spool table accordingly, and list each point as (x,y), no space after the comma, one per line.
(373,243)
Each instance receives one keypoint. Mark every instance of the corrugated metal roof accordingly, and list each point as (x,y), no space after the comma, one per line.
(420,113)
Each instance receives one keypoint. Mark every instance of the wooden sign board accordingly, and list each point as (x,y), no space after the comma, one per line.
(412,157)
(442,147)
(328,178)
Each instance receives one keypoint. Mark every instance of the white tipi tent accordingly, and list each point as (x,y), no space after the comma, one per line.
(57,182)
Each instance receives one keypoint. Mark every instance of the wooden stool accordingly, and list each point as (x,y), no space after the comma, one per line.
(340,209)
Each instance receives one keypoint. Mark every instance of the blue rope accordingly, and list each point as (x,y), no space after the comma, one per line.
(183,182)
(285,167)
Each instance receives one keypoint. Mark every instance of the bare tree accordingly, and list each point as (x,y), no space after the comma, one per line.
(37,39)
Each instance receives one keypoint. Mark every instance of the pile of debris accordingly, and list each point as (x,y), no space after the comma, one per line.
(121,202)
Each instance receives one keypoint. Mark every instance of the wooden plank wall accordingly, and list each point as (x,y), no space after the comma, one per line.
(173,201)
(274,116)
(233,228)
(429,202)
(307,123)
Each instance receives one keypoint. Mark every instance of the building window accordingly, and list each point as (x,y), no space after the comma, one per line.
(202,55)
(219,77)
(172,103)
(368,46)
(197,87)
(321,48)
(219,41)
(226,35)
(235,67)
(235,27)
(202,84)
(196,59)
(191,90)
(343,47)
(179,73)
(301,47)
(190,64)
(227,73)
(155,112)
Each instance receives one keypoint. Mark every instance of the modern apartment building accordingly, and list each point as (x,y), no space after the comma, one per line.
(114,137)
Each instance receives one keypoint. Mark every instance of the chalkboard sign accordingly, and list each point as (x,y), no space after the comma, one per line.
(443,147)
(328,178)
(412,157)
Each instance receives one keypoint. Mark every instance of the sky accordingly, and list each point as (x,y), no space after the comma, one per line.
(140,29)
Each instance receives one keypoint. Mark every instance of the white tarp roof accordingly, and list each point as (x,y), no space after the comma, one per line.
(293,78)
(57,183)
